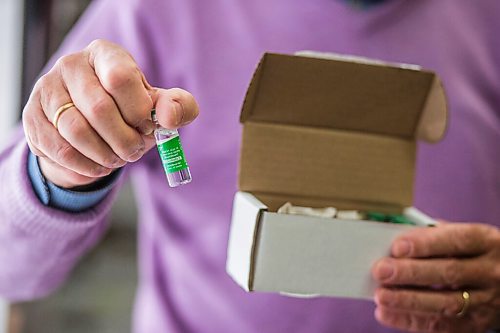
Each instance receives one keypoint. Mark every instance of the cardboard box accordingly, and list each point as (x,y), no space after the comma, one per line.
(319,132)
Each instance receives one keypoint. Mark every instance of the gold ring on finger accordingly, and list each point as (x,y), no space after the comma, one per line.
(60,111)
(465,306)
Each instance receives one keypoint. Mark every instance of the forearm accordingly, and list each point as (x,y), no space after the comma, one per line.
(39,245)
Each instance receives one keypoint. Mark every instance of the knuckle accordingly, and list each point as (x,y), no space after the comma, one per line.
(467,238)
(118,77)
(76,128)
(451,272)
(99,107)
(42,82)
(67,62)
(65,153)
(47,89)
(470,238)
(97,43)
(30,130)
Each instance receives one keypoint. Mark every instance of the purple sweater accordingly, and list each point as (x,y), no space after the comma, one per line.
(211,48)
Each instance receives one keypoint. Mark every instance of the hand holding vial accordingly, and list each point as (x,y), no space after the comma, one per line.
(91,114)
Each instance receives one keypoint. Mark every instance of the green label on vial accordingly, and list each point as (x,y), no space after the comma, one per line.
(172,155)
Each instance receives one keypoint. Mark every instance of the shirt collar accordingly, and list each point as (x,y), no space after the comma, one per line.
(364,4)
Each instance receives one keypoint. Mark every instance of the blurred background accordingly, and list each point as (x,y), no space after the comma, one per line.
(99,294)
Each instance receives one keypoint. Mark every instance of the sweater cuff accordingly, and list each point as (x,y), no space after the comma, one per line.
(67,200)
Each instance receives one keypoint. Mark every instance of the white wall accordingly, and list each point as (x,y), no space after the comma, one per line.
(4,311)
(11,27)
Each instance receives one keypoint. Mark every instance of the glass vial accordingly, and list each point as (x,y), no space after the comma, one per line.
(171,154)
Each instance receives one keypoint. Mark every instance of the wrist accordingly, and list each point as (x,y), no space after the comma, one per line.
(77,199)
(64,178)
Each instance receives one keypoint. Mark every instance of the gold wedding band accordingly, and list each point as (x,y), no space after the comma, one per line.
(465,306)
(60,111)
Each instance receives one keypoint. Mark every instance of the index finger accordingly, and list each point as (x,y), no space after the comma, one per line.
(122,79)
(448,239)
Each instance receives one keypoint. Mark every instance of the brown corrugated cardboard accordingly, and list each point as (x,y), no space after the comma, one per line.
(328,165)
(326,132)
(343,95)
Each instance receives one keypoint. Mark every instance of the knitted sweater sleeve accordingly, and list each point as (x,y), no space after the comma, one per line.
(39,245)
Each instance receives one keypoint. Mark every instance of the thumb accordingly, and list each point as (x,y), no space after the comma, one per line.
(174,107)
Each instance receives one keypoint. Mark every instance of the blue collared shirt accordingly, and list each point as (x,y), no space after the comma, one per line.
(72,201)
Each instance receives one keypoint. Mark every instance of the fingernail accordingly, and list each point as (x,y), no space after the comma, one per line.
(135,156)
(146,127)
(384,270)
(118,163)
(101,171)
(401,248)
(179,113)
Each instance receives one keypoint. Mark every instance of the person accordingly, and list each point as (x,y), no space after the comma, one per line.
(58,182)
